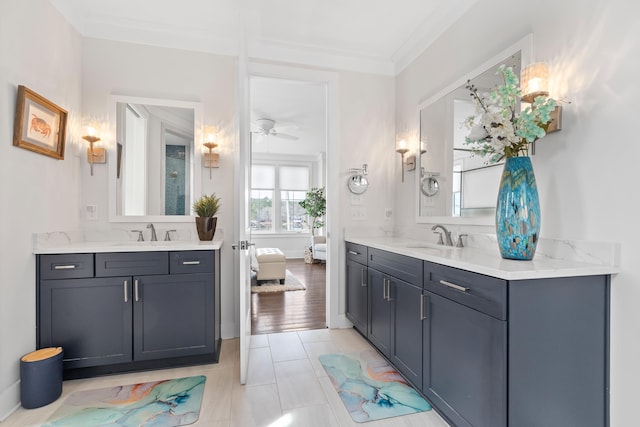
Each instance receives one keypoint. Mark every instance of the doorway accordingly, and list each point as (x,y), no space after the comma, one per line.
(289,146)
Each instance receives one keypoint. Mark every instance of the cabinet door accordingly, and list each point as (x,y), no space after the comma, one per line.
(379,311)
(464,363)
(173,316)
(357,295)
(89,318)
(406,350)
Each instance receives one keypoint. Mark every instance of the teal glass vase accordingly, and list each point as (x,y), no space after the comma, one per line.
(518,210)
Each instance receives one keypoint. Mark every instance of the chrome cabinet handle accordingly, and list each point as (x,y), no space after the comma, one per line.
(389,290)
(354,253)
(136,291)
(65,267)
(362,274)
(384,288)
(126,291)
(454,286)
(422,306)
(190,262)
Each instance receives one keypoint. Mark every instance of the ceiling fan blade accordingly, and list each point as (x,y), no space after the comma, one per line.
(286,136)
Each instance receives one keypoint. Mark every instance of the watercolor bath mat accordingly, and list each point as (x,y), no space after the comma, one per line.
(370,388)
(167,403)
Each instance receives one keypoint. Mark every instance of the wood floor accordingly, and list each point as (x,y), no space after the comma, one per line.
(293,310)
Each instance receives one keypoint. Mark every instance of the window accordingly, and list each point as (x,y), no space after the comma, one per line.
(276,191)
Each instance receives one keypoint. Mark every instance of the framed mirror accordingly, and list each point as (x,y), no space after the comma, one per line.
(466,186)
(156,172)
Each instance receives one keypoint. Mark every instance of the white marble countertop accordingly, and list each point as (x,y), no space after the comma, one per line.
(66,247)
(486,261)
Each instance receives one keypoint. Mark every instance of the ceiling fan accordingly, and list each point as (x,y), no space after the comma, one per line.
(267,127)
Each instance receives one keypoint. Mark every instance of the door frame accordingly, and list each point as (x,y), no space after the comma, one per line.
(334,302)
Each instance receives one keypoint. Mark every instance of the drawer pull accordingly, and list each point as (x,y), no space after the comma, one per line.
(362,282)
(384,288)
(136,292)
(190,262)
(354,253)
(454,286)
(126,291)
(65,267)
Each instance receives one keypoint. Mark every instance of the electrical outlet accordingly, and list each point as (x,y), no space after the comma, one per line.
(388,212)
(91,212)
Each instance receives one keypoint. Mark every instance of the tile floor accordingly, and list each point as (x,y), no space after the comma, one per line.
(286,386)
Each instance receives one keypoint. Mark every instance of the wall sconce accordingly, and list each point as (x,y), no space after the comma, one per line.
(211,159)
(534,82)
(358,182)
(97,154)
(401,147)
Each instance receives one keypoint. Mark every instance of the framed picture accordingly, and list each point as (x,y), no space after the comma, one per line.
(40,125)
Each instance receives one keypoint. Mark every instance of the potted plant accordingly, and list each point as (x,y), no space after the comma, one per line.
(206,207)
(316,206)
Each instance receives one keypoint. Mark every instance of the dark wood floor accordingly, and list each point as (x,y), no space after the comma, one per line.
(292,310)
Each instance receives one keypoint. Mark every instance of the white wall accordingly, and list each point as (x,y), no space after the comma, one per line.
(41,51)
(585,172)
(368,136)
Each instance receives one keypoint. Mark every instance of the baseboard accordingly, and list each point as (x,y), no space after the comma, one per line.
(229,330)
(9,400)
(341,322)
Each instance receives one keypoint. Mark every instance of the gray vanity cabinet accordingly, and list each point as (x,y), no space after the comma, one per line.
(464,345)
(357,309)
(379,332)
(91,318)
(173,316)
(489,352)
(129,311)
(395,324)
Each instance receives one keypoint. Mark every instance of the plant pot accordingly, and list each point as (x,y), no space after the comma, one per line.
(206,227)
(518,210)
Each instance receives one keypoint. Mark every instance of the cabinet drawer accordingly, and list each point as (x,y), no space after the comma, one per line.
(483,293)
(191,262)
(131,263)
(399,266)
(357,253)
(66,266)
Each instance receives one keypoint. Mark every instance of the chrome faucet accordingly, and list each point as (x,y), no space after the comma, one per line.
(447,235)
(154,238)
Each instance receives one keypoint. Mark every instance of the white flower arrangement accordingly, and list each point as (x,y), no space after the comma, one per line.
(497,130)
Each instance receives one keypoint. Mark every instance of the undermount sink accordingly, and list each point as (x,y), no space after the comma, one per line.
(420,245)
(145,243)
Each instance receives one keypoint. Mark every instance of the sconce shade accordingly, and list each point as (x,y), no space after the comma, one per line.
(211,159)
(94,154)
(534,81)
(401,146)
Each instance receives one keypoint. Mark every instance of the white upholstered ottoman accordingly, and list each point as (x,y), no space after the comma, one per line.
(271,264)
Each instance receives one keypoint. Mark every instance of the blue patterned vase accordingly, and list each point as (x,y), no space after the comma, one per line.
(518,210)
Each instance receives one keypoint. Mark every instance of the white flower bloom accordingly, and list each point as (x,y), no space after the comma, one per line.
(477,133)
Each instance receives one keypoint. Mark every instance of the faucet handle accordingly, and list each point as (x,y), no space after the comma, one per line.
(140,235)
(459,244)
(440,240)
(167,236)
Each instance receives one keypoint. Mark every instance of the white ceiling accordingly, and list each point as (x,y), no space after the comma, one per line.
(378,36)
(298,109)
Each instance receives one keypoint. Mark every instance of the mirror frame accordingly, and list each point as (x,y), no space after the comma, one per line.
(196,177)
(525,46)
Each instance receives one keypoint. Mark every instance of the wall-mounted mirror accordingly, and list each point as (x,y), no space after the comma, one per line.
(156,172)
(467,184)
